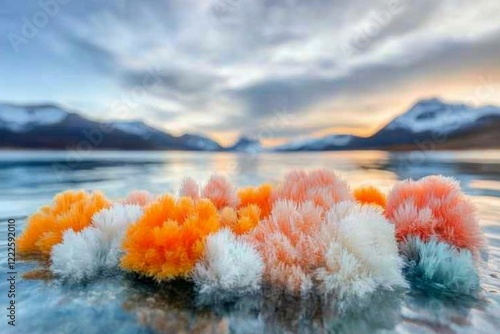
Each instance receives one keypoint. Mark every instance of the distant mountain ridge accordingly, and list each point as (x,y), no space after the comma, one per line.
(427,122)
(52,127)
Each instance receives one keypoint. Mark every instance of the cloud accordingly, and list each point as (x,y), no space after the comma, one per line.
(232,72)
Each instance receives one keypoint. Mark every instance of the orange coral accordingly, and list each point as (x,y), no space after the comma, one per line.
(260,196)
(434,206)
(241,221)
(370,195)
(169,238)
(322,187)
(70,210)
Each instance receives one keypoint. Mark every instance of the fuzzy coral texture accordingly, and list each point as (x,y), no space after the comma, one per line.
(259,196)
(370,195)
(230,265)
(434,207)
(308,234)
(71,210)
(240,221)
(439,265)
(322,187)
(240,210)
(168,239)
(218,190)
(97,248)
(139,197)
(350,250)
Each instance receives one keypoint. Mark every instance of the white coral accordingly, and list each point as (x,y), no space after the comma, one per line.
(97,248)
(229,265)
(362,253)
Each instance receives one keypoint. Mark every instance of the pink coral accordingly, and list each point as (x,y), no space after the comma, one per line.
(218,190)
(290,245)
(190,188)
(221,192)
(139,197)
(434,206)
(322,187)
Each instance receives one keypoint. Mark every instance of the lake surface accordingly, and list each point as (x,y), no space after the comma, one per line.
(125,304)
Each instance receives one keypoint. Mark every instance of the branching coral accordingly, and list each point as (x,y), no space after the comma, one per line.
(322,187)
(229,265)
(437,264)
(97,248)
(71,210)
(434,207)
(370,195)
(169,238)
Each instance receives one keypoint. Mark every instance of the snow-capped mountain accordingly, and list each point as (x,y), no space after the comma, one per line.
(133,127)
(24,118)
(432,121)
(50,126)
(435,115)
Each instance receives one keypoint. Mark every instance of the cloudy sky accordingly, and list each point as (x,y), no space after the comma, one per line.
(281,69)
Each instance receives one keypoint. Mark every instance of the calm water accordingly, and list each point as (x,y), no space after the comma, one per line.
(127,305)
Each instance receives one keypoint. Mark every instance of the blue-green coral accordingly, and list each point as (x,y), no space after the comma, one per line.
(440,265)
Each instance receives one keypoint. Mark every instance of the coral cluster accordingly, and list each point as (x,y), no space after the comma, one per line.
(71,210)
(307,235)
(438,231)
(97,248)
(322,187)
(168,239)
(229,265)
(349,250)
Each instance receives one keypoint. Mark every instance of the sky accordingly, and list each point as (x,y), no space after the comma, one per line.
(272,69)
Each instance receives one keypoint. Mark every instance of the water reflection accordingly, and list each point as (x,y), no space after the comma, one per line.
(176,308)
(130,305)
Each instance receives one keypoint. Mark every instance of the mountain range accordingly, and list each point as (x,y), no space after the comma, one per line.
(428,124)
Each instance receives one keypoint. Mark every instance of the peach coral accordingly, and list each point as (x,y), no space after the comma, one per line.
(139,197)
(169,238)
(434,206)
(218,190)
(370,195)
(322,187)
(290,245)
(70,210)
